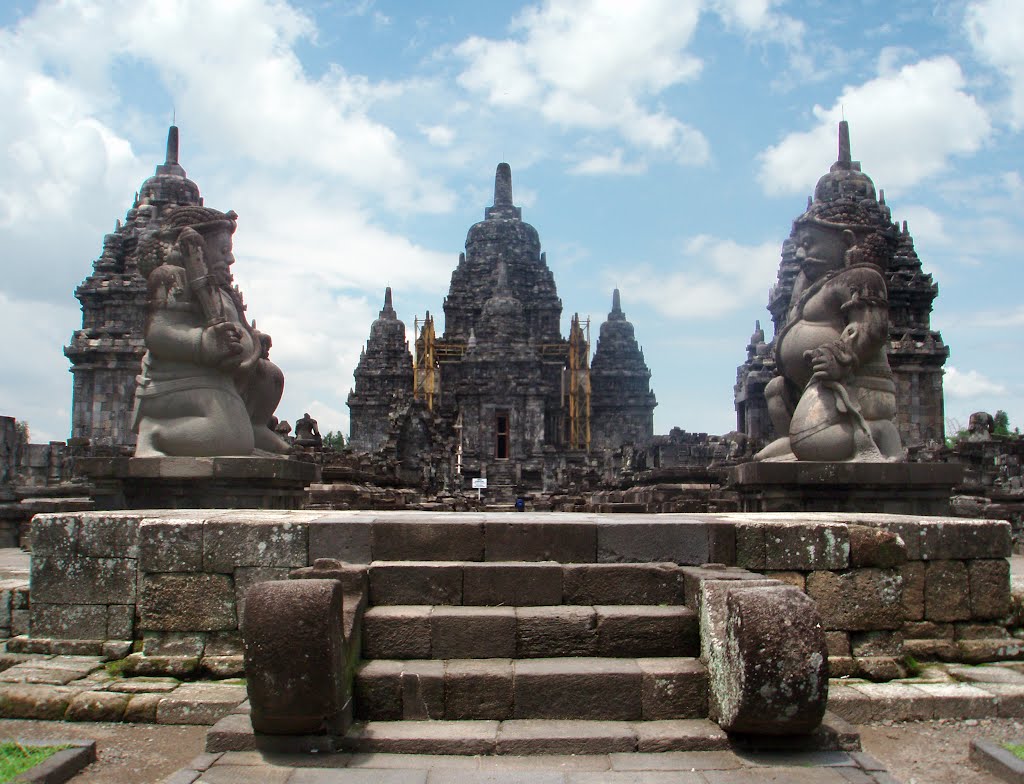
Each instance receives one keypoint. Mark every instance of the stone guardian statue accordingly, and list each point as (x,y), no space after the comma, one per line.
(835,399)
(207,386)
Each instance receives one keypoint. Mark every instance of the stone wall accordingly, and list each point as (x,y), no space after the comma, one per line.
(886,585)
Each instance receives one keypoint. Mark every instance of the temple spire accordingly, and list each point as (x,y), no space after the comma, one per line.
(388,311)
(844,142)
(172,145)
(503,206)
(616,302)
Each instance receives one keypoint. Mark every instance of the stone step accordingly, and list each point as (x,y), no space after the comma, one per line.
(583,688)
(533,736)
(457,632)
(524,583)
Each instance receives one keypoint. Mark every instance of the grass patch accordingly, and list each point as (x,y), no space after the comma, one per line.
(15,758)
(1016,749)
(913,666)
(115,669)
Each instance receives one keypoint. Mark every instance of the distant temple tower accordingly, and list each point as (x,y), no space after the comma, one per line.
(106,353)
(501,388)
(621,401)
(916,351)
(383,380)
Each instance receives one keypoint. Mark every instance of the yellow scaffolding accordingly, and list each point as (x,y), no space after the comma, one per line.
(426,377)
(578,383)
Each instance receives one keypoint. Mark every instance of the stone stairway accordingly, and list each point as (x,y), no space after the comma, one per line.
(515,657)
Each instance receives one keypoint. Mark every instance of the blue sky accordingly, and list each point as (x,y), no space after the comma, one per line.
(661,146)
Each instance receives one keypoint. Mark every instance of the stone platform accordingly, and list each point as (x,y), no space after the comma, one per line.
(887,488)
(205,482)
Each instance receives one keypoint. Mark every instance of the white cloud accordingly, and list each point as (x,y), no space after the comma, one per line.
(438,135)
(969,384)
(996,30)
(718,276)
(581,63)
(925,224)
(905,125)
(612,163)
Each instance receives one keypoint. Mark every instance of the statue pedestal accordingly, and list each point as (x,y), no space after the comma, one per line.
(889,488)
(198,482)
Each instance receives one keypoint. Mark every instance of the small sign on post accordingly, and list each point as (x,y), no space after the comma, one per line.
(479,484)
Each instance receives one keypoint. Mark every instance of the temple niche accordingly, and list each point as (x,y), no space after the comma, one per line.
(915,351)
(513,400)
(106,353)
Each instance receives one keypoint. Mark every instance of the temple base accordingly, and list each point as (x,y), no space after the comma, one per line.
(890,488)
(198,482)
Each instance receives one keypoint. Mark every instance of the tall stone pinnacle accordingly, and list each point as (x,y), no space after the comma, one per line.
(388,311)
(844,142)
(616,313)
(503,207)
(170,164)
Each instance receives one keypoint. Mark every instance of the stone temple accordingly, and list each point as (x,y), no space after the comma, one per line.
(501,394)
(916,352)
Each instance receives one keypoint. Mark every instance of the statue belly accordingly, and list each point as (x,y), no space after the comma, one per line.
(800,337)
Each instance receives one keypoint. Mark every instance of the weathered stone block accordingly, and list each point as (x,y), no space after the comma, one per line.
(187,603)
(878,643)
(555,631)
(23,701)
(69,621)
(859,599)
(689,542)
(171,545)
(428,540)
(97,706)
(228,545)
(562,542)
(608,583)
(377,690)
(19,622)
(947,591)
(108,536)
(750,546)
(60,580)
(990,588)
(673,689)
(416,583)
(965,539)
(569,688)
(348,540)
(141,708)
(871,546)
(513,585)
(54,534)
(473,633)
(223,644)
(397,632)
(980,631)
(646,631)
(797,579)
(838,644)
(478,689)
(928,630)
(120,622)
(913,590)
(423,690)
(173,644)
(806,546)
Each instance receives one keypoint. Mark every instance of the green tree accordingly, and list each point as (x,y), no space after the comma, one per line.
(334,440)
(1002,424)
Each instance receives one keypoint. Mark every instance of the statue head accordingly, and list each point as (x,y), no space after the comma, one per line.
(215,227)
(843,231)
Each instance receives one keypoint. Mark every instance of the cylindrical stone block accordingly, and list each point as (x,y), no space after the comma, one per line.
(294,653)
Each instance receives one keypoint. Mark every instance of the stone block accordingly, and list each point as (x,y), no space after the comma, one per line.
(97,706)
(222,667)
(74,580)
(928,630)
(342,538)
(529,738)
(858,599)
(547,541)
(610,583)
(947,591)
(872,546)
(478,689)
(913,590)
(199,703)
(806,546)
(294,671)
(23,701)
(983,651)
(108,536)
(555,631)
(223,644)
(19,622)
(429,539)
(673,689)
(692,735)
(838,644)
(877,643)
(423,690)
(425,737)
(171,545)
(228,545)
(69,621)
(980,631)
(416,583)
(512,585)
(120,622)
(141,708)
(397,632)
(768,670)
(750,546)
(377,690)
(688,541)
(187,602)
(55,535)
(571,688)
(990,588)
(949,539)
(797,579)
(173,644)
(473,633)
(624,630)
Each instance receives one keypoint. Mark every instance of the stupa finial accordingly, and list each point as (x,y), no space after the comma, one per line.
(616,302)
(845,155)
(172,145)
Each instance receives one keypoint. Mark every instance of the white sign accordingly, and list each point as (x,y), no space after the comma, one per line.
(479,483)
